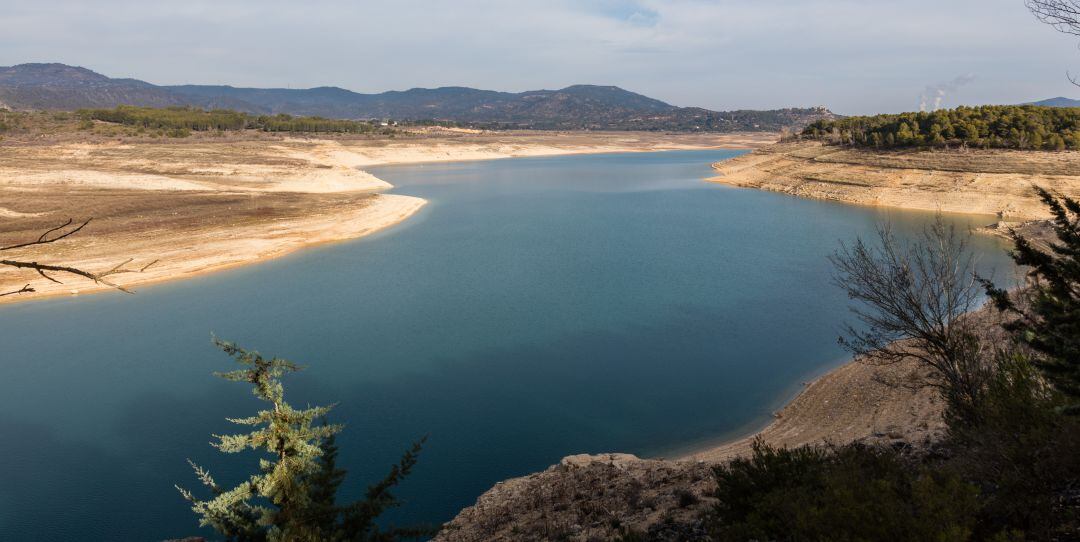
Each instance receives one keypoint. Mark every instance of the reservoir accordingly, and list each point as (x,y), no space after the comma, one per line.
(535,308)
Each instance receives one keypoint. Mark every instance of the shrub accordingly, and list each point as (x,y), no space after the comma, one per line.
(1022,453)
(851,492)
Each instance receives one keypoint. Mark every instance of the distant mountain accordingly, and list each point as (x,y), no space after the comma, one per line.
(1058,102)
(58,86)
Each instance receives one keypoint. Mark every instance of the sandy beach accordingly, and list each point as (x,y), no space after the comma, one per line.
(196,206)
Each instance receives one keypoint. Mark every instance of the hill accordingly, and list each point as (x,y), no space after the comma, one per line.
(1058,102)
(578,107)
(56,86)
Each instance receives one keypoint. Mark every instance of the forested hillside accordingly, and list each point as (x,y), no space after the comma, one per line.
(199,120)
(1000,127)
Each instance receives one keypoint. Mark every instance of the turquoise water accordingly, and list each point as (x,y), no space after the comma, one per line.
(535,308)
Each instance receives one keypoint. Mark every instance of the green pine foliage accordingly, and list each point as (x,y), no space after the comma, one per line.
(293,496)
(198,120)
(992,126)
(1048,312)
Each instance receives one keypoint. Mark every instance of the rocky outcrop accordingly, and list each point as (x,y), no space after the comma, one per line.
(591,497)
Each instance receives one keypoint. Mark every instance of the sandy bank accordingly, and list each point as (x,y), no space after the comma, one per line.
(994,182)
(850,403)
(216,232)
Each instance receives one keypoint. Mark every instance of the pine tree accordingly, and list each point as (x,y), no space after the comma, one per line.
(905,136)
(1048,311)
(292,498)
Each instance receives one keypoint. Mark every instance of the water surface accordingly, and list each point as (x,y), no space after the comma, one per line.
(535,308)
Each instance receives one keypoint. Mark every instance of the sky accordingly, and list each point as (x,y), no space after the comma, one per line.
(854,56)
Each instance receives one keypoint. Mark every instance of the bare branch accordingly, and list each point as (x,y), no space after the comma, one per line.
(1063,15)
(96,277)
(53,235)
(42,273)
(912,301)
(44,238)
(23,290)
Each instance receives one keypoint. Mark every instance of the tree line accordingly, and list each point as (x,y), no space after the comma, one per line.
(200,120)
(1024,127)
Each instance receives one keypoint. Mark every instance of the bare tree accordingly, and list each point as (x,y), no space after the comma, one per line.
(1063,15)
(912,301)
(47,271)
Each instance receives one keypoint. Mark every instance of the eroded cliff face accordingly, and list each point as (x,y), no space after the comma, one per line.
(993,182)
(591,497)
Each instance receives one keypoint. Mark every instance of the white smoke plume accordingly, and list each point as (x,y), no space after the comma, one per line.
(936,93)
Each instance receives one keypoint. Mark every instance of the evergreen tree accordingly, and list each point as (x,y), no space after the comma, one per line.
(905,135)
(1048,311)
(1012,126)
(292,498)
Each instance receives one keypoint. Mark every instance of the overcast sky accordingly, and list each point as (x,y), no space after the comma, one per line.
(855,56)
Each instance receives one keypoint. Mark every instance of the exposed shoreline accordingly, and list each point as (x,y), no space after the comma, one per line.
(204,206)
(845,404)
(985,182)
(174,259)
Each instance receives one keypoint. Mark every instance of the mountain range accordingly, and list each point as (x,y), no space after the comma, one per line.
(63,87)
(1058,102)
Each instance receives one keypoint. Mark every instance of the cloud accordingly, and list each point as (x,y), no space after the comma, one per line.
(629,11)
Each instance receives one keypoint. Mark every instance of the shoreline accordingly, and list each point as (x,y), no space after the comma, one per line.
(389,210)
(748,431)
(973,182)
(846,403)
(204,206)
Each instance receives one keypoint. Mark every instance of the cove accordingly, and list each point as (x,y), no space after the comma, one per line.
(536,308)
